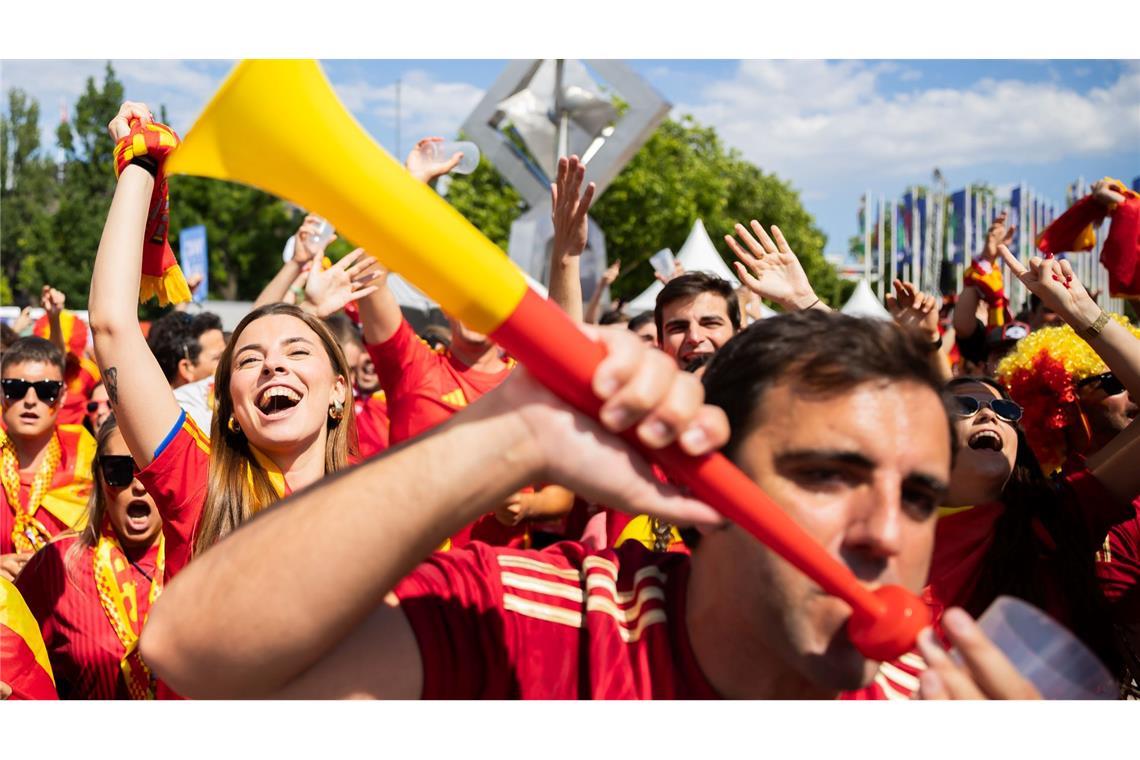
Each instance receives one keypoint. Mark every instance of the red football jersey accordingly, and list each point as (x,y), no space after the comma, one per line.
(84,651)
(562,623)
(371,423)
(423,387)
(177,479)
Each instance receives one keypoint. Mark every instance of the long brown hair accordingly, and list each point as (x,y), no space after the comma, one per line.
(230,499)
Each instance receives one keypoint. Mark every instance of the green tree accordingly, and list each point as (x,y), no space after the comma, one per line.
(28,193)
(683,173)
(245,232)
(487,200)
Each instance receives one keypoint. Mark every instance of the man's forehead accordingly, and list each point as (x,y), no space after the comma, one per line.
(702,304)
(32,371)
(900,424)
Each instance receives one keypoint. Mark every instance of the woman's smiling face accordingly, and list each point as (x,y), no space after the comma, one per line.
(282,384)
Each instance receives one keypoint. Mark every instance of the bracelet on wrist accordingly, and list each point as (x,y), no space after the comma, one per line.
(1096,327)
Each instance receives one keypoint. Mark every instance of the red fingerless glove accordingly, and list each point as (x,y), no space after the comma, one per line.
(148,146)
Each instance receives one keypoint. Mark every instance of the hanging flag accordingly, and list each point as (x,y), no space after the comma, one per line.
(904,214)
(194,259)
(957,227)
(1016,200)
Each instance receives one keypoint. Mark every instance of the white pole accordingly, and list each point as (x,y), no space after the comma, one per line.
(915,250)
(882,243)
(894,237)
(867,236)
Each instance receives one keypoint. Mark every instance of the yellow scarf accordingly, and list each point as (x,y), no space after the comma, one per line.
(120,602)
(28,533)
(276,477)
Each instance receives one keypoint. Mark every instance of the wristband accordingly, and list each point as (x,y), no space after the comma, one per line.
(936,345)
(146,162)
(1096,327)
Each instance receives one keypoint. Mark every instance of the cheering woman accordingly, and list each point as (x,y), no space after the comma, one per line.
(284,416)
(91,591)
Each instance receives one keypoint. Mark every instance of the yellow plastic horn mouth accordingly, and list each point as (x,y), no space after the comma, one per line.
(279,126)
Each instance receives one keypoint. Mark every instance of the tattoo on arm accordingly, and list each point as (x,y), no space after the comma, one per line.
(111,380)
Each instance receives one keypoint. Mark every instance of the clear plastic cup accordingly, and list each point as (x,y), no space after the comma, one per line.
(323,233)
(1045,652)
(442,151)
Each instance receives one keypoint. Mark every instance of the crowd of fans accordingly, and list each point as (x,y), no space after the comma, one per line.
(480,538)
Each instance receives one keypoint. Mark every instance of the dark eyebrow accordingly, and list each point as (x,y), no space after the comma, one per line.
(676,322)
(250,347)
(297,339)
(854,459)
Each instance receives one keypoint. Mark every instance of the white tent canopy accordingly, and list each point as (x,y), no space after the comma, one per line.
(697,255)
(863,303)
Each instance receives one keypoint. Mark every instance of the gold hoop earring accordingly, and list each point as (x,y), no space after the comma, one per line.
(233,426)
(336,411)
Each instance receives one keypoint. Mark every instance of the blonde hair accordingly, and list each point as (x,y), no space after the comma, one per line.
(232,495)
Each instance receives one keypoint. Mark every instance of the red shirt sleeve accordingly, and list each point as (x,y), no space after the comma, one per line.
(177,480)
(453,602)
(403,362)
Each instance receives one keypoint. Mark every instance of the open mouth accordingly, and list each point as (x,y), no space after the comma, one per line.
(985,439)
(277,400)
(138,515)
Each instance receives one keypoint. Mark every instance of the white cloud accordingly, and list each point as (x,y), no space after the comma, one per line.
(427,105)
(817,122)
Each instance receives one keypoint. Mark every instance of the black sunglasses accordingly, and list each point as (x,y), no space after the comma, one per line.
(118,470)
(47,391)
(1107,382)
(1007,410)
(93,406)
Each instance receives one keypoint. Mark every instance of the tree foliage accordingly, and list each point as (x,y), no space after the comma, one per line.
(53,213)
(682,173)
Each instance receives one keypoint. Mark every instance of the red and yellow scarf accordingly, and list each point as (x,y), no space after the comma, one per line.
(28,533)
(119,599)
(162,278)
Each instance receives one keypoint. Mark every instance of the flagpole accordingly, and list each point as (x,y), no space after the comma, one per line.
(867,236)
(894,238)
(882,232)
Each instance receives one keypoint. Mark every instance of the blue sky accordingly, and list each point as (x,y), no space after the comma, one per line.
(833,128)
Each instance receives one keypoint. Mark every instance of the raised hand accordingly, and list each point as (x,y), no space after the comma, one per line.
(423,164)
(1053,281)
(1107,193)
(305,249)
(52,301)
(997,235)
(350,279)
(611,274)
(678,270)
(770,269)
(120,126)
(986,673)
(568,210)
(913,308)
(24,321)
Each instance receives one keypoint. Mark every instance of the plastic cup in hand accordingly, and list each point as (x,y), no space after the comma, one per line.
(323,233)
(1045,652)
(443,151)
